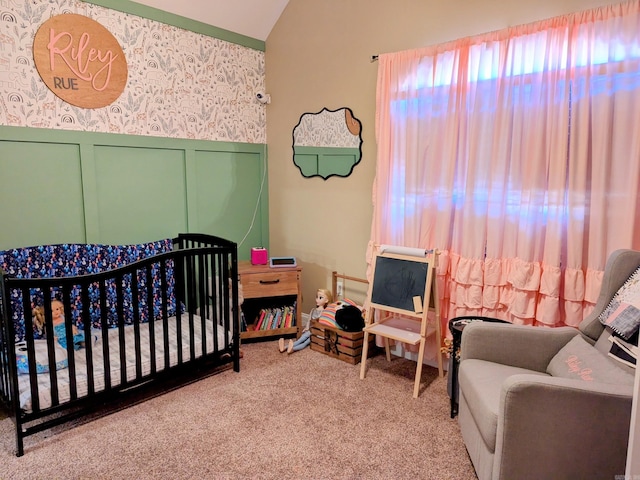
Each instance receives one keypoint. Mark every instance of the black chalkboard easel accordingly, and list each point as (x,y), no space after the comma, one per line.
(401,283)
(401,294)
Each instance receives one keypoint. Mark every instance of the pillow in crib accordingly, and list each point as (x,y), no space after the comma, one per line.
(328,315)
(42,357)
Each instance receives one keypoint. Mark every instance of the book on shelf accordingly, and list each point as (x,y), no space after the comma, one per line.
(292,319)
(270,317)
(275,318)
(258,323)
(289,318)
(266,320)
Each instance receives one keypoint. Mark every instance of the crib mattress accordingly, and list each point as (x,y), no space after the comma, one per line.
(114,371)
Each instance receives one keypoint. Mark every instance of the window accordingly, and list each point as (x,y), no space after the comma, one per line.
(516,154)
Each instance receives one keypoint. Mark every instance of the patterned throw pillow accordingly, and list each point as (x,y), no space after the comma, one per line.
(328,315)
(624,320)
(579,360)
(622,314)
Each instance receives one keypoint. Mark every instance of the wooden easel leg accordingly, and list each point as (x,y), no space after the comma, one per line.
(438,336)
(365,352)
(416,385)
(387,349)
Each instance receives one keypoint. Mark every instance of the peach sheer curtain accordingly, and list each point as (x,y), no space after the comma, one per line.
(517,155)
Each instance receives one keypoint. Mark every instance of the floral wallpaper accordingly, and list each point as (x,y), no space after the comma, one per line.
(328,128)
(181,84)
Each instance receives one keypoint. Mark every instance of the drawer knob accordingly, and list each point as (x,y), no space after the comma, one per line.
(269,282)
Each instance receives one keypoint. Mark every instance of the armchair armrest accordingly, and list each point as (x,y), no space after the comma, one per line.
(550,427)
(516,345)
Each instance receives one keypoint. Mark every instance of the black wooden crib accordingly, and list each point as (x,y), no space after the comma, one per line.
(71,344)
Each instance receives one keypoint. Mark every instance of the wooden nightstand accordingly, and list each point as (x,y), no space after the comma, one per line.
(267,288)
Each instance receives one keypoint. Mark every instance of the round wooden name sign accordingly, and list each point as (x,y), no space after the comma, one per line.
(80,61)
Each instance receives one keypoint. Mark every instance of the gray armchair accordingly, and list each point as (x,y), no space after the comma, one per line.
(519,421)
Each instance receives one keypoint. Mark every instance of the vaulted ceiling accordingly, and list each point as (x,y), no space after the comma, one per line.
(253,18)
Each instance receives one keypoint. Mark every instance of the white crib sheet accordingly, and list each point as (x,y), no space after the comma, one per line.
(44,383)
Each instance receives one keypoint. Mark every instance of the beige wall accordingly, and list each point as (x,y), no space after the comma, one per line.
(318,55)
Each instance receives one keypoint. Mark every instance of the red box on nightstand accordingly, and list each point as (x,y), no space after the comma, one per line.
(259,256)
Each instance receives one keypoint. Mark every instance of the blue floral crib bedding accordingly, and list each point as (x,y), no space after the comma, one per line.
(68,260)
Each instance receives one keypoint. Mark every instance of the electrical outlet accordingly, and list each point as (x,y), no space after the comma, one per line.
(339,288)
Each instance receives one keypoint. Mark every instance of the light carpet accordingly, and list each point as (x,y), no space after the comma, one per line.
(304,415)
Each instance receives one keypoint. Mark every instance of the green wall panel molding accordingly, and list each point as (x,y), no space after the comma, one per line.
(219,206)
(152,13)
(141,193)
(89,181)
(63,186)
(40,201)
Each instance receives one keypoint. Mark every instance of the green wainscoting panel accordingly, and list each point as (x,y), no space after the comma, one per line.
(217,206)
(62,187)
(141,193)
(40,194)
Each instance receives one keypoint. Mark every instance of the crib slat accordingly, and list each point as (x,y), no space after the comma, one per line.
(192,304)
(179,318)
(5,345)
(121,338)
(88,335)
(234,325)
(53,378)
(71,359)
(28,326)
(219,305)
(165,318)
(231,280)
(136,322)
(104,328)
(202,301)
(152,323)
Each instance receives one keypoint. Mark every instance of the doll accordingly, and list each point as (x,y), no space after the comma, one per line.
(38,319)
(323,298)
(57,313)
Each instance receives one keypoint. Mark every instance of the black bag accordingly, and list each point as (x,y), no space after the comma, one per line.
(349,318)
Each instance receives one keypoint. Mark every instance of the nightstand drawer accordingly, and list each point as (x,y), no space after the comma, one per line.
(271,284)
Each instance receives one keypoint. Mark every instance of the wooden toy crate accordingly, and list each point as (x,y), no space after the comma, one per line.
(345,346)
